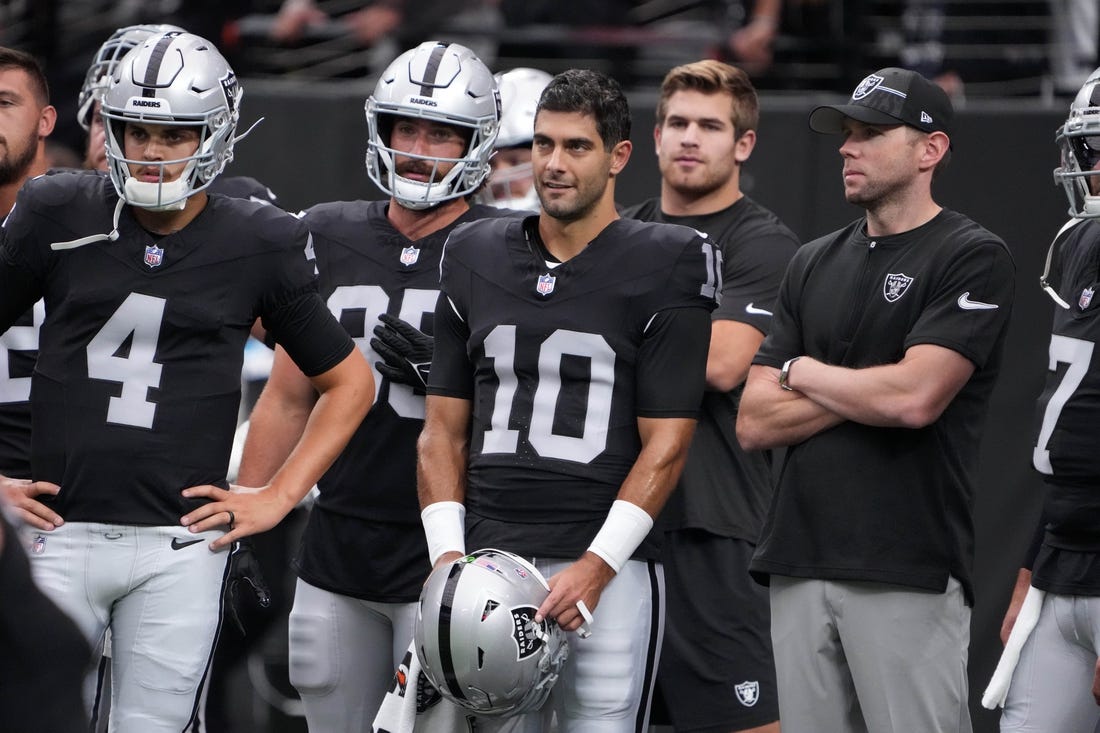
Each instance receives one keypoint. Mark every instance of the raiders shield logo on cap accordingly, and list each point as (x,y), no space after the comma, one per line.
(867,86)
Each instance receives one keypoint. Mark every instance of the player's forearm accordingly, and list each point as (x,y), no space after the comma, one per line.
(441,466)
(277,421)
(770,417)
(652,478)
(274,429)
(347,391)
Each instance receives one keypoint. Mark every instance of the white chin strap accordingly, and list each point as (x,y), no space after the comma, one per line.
(150,195)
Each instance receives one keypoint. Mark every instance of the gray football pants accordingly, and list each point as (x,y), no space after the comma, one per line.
(343,653)
(160,590)
(1051,687)
(607,684)
(859,656)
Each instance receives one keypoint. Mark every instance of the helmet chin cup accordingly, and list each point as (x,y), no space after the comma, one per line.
(170,196)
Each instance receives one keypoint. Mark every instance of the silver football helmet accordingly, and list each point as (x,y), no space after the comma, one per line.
(444,83)
(105,61)
(1079,140)
(476,637)
(179,79)
(520,89)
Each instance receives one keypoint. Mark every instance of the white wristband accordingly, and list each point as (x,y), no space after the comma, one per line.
(445,528)
(624,529)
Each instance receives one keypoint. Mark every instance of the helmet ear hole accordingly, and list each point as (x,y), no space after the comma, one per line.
(480,658)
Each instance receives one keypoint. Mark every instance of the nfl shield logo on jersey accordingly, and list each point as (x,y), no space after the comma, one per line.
(154,255)
(38,544)
(1086,298)
(895,286)
(546,284)
(748,692)
(409,256)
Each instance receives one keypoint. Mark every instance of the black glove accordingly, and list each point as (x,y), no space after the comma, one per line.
(407,352)
(245,569)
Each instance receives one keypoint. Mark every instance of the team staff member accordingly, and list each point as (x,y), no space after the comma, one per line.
(151,287)
(354,606)
(717,671)
(884,348)
(569,363)
(1056,684)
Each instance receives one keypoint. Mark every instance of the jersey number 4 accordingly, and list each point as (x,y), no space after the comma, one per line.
(123,352)
(1077,353)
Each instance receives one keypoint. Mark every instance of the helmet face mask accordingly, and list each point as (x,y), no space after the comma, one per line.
(520,90)
(173,79)
(1079,141)
(476,637)
(440,83)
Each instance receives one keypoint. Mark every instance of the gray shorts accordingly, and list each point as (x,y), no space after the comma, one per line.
(860,656)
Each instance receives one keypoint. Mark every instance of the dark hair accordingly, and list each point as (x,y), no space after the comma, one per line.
(590,93)
(10,58)
(714,77)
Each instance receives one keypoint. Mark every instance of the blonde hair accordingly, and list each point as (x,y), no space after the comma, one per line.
(714,77)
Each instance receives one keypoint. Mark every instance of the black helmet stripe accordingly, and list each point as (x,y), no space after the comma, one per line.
(427,84)
(445,605)
(156,58)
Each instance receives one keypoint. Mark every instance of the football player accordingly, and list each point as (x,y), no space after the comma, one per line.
(26,119)
(511,185)
(718,637)
(1056,683)
(432,120)
(151,286)
(570,356)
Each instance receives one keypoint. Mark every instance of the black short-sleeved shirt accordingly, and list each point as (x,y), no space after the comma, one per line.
(1066,452)
(137,382)
(368,497)
(560,362)
(891,505)
(19,349)
(724,489)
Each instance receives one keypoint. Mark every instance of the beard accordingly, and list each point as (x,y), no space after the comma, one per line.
(15,164)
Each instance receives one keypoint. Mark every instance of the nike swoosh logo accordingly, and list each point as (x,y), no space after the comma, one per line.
(177,545)
(754,311)
(974,305)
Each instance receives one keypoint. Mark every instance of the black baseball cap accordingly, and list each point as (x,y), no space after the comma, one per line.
(888,97)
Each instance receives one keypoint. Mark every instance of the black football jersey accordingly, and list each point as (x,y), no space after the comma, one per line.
(137,382)
(724,489)
(19,349)
(366,268)
(560,363)
(1066,451)
(243,187)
